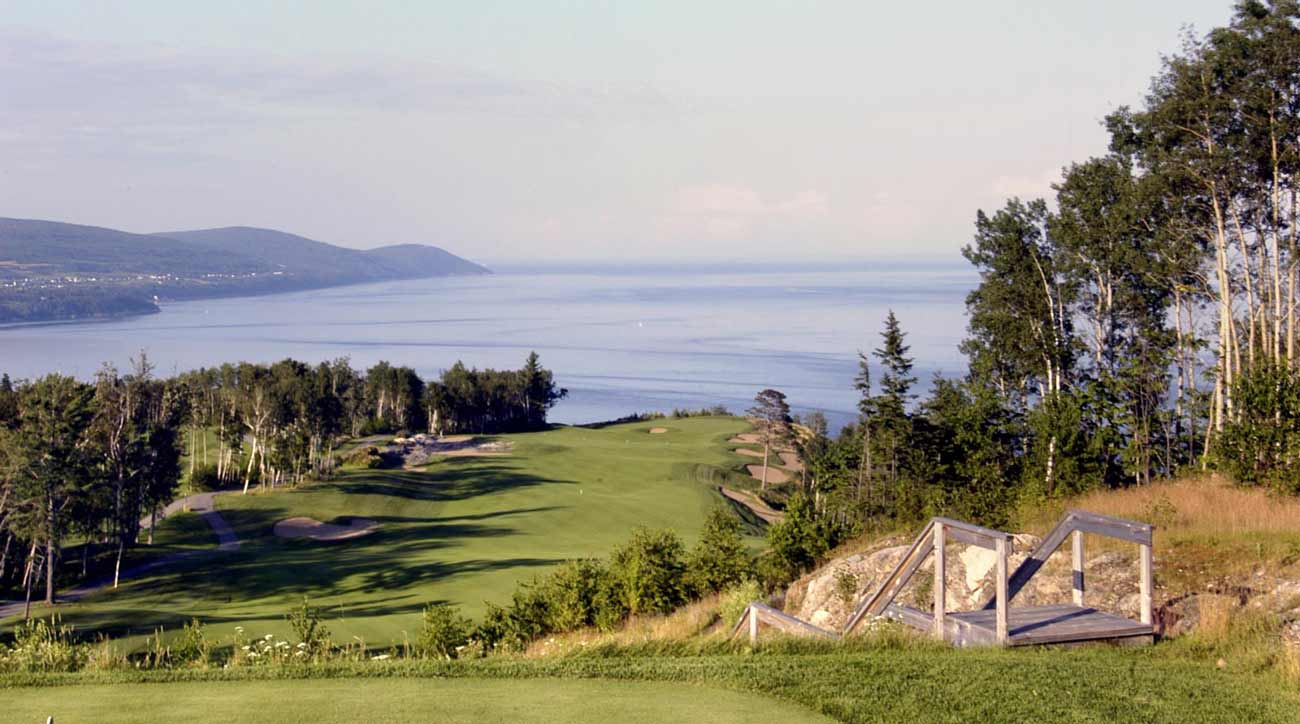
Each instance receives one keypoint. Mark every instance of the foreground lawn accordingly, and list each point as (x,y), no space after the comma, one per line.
(461,530)
(883,685)
(345,701)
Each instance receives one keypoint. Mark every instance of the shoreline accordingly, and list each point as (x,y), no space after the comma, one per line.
(233,294)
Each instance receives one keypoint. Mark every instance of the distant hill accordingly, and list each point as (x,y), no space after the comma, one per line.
(52,271)
(48,247)
(299,255)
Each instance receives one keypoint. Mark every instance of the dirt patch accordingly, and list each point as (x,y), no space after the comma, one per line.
(774,474)
(302,527)
(658,430)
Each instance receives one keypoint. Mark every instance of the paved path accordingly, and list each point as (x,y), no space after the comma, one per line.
(200,503)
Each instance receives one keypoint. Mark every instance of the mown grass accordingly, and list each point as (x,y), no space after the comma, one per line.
(871,684)
(461,530)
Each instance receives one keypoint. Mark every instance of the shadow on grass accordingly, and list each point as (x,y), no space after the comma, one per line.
(383,573)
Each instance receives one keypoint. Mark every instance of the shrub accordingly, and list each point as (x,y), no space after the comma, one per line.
(736,599)
(189,648)
(573,595)
(1261,446)
(444,632)
(719,560)
(42,646)
(648,572)
(797,541)
(312,635)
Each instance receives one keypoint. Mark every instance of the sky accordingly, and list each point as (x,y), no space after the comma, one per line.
(535,131)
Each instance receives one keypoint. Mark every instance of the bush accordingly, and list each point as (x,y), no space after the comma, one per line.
(306,624)
(719,560)
(1262,445)
(42,646)
(573,595)
(736,600)
(444,632)
(648,574)
(799,541)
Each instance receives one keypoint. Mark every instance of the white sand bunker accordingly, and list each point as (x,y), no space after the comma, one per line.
(311,528)
(658,430)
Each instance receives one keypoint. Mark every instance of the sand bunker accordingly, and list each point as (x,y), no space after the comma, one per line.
(746,438)
(311,528)
(790,461)
(749,452)
(774,474)
(755,504)
(658,430)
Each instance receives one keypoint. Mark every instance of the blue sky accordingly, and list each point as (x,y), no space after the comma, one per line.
(509,131)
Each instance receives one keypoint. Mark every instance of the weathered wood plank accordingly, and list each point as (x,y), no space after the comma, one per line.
(1003,600)
(1111,530)
(940,580)
(1135,527)
(1146,580)
(971,533)
(1077,567)
(1034,562)
(884,594)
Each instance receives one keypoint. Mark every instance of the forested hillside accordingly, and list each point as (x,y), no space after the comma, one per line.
(1140,323)
(54,271)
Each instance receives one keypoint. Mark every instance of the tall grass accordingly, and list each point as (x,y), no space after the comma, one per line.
(1205,506)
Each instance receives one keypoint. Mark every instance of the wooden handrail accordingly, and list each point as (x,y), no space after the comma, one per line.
(1072,525)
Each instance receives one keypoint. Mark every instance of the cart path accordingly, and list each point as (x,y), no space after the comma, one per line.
(201,503)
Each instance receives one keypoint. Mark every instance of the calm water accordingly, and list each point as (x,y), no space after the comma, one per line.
(620,341)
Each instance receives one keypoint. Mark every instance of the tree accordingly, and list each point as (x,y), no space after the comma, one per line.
(896,382)
(719,560)
(771,414)
(54,414)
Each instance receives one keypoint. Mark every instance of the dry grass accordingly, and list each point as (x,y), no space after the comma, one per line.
(1206,506)
(1210,534)
(686,623)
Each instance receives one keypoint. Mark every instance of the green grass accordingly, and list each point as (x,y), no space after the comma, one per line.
(1103,685)
(400,700)
(461,530)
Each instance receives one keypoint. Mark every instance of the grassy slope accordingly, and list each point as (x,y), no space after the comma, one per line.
(463,530)
(400,700)
(1210,534)
(886,685)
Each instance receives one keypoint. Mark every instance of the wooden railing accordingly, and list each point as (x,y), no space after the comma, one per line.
(1074,525)
(933,540)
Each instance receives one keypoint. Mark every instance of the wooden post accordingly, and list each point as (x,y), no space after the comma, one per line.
(1001,550)
(1146,575)
(1077,539)
(940,582)
(753,627)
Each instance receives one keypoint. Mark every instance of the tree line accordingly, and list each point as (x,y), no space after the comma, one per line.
(1139,324)
(91,464)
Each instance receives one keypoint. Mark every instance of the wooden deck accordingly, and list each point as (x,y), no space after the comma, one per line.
(1031,625)
(996,622)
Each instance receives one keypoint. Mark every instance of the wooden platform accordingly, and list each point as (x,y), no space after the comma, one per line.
(1027,626)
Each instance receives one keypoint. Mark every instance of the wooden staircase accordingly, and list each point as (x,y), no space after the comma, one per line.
(996,622)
